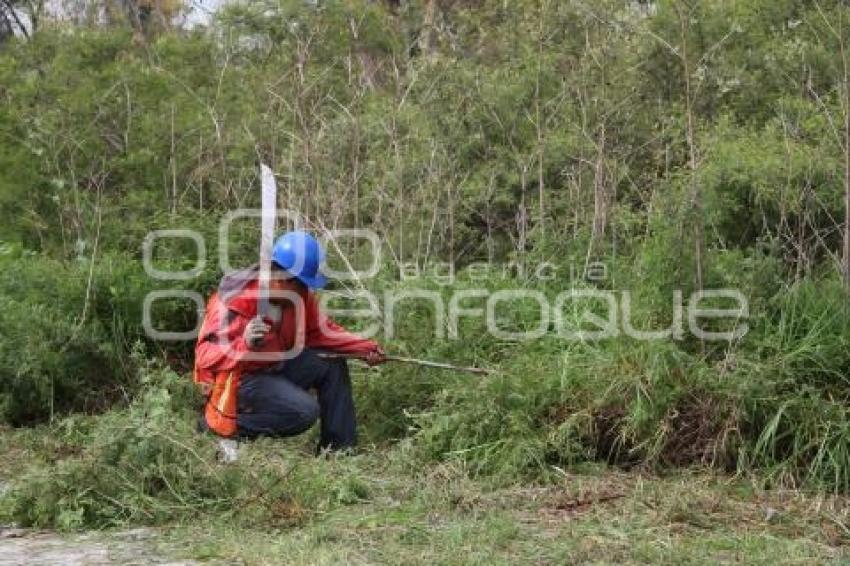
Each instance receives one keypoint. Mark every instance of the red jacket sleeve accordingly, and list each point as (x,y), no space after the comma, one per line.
(220,345)
(323,332)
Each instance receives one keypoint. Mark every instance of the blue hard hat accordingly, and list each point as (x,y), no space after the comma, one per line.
(301,255)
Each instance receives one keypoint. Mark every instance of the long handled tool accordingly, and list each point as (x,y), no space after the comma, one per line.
(414,361)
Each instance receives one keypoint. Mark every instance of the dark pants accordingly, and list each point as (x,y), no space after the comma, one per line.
(275,401)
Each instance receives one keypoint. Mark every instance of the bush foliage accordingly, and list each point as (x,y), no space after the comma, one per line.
(146,464)
(681,145)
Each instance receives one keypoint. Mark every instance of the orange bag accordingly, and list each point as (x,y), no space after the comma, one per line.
(220,410)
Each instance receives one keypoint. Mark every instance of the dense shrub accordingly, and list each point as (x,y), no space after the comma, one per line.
(775,402)
(49,364)
(67,328)
(51,359)
(146,464)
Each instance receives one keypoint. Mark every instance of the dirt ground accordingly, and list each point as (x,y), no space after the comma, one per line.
(36,548)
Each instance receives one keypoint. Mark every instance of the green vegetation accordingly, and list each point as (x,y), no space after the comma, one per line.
(681,145)
(590,517)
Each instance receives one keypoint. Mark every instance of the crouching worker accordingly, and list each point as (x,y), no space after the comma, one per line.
(257,368)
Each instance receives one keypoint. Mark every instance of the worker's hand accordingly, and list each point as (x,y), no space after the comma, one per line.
(255,331)
(376,356)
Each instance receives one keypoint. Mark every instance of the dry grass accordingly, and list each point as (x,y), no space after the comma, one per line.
(439,515)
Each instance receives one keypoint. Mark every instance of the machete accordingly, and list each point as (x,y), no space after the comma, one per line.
(267,227)
(228,448)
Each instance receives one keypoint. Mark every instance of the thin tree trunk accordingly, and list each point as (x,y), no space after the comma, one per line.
(600,200)
(522,213)
(6,29)
(428,35)
(173,167)
(200,174)
(450,191)
(694,213)
(693,158)
(846,159)
(847,193)
(35,11)
(14,15)
(489,215)
(539,126)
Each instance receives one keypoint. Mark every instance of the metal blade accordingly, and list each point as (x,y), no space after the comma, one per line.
(267,228)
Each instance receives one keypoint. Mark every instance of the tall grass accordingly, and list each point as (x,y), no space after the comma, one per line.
(776,403)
